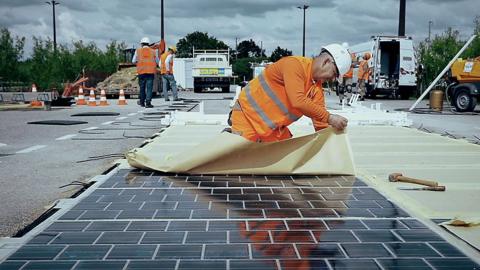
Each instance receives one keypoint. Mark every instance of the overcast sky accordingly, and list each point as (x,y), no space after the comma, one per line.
(270,22)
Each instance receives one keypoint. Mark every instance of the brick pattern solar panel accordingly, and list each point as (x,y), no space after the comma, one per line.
(144,220)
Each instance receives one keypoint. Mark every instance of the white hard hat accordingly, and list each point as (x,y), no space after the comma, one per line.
(145,40)
(341,56)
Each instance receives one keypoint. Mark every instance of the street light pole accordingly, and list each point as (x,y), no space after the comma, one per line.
(53,3)
(304,7)
(429,30)
(162,33)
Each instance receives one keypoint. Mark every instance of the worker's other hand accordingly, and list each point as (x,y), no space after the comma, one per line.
(337,122)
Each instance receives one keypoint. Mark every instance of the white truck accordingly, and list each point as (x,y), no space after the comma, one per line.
(211,69)
(393,63)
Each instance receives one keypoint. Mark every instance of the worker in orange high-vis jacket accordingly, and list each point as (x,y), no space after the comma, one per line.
(287,90)
(146,59)
(363,74)
(166,71)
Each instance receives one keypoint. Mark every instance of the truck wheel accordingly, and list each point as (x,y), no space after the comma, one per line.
(197,89)
(464,102)
(406,91)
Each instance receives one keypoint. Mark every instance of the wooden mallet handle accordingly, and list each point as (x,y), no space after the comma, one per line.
(398,177)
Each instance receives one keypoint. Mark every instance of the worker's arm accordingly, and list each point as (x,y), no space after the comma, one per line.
(294,79)
(167,63)
(316,95)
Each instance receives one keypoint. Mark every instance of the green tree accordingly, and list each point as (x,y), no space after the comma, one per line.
(279,53)
(436,55)
(11,52)
(198,40)
(242,67)
(248,48)
(474,49)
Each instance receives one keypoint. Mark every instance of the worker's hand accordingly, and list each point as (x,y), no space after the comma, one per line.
(337,122)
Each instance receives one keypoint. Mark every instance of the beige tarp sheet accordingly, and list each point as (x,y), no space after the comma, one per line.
(324,152)
(380,151)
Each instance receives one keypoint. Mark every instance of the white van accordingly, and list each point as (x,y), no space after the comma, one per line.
(394,67)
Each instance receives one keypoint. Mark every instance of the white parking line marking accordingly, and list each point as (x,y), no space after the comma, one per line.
(66,137)
(90,128)
(107,123)
(2,144)
(31,149)
(132,114)
(122,118)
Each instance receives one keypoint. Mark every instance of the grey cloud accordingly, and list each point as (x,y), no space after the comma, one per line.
(275,22)
(78,5)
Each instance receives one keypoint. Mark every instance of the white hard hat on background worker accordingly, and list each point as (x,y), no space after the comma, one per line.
(341,56)
(145,40)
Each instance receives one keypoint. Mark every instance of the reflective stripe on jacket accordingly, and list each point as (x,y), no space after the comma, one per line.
(146,63)
(268,108)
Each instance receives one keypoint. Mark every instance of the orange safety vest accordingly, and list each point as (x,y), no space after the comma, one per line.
(349,73)
(363,70)
(163,68)
(268,108)
(146,63)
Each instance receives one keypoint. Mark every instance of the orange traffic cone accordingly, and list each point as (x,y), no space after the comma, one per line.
(36,102)
(103,98)
(121,98)
(91,99)
(81,97)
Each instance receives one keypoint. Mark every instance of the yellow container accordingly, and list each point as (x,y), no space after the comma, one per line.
(436,100)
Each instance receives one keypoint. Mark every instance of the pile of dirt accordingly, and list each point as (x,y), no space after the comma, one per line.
(123,79)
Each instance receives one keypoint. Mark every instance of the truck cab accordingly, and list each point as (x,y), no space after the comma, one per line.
(211,69)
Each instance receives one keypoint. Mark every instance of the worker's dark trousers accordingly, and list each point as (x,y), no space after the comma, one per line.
(145,81)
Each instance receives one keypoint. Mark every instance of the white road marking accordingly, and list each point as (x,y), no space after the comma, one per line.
(2,144)
(132,114)
(107,123)
(31,149)
(66,137)
(121,118)
(90,128)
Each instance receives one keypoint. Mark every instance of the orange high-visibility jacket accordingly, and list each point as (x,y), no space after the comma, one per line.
(363,70)
(163,65)
(281,94)
(349,73)
(146,63)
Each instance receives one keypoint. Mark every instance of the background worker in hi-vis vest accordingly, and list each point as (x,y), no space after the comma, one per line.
(285,91)
(146,59)
(166,70)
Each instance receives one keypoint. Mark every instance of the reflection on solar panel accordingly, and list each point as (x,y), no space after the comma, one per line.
(144,220)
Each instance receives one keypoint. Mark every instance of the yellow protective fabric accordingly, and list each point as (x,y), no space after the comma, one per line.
(324,152)
(380,151)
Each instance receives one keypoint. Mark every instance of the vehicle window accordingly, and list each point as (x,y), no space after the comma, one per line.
(211,59)
(407,58)
(219,59)
(202,59)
